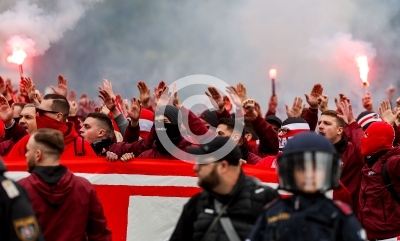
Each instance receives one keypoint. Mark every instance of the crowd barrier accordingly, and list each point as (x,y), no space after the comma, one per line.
(142,199)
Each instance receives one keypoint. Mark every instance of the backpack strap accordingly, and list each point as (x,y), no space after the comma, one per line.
(79,151)
(388,183)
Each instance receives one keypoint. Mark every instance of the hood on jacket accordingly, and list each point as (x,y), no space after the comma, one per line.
(52,183)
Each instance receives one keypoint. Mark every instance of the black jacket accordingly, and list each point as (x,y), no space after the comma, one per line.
(307,217)
(17,218)
(249,198)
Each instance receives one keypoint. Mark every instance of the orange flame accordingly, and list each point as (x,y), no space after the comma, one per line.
(362,63)
(17,57)
(272,73)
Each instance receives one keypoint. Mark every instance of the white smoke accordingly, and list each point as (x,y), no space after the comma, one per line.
(38,25)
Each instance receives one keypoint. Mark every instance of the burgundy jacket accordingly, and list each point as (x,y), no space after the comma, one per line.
(69,210)
(6,146)
(153,153)
(269,143)
(379,213)
(353,161)
(136,147)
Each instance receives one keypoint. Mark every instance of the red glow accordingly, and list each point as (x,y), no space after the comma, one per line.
(362,63)
(272,73)
(17,57)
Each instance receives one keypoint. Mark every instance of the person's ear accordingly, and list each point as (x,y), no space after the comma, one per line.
(235,137)
(340,130)
(59,116)
(38,155)
(101,133)
(223,166)
(248,136)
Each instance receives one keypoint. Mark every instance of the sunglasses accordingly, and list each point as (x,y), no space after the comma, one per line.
(42,112)
(284,130)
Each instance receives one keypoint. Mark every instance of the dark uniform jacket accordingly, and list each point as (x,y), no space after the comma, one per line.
(307,217)
(17,218)
(249,197)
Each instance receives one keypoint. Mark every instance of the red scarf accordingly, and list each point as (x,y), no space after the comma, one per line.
(48,122)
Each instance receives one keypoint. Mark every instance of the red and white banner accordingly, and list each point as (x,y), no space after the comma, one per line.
(142,199)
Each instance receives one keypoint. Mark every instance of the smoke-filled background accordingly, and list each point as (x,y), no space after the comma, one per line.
(307,41)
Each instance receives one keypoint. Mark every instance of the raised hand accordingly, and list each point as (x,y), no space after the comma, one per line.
(121,103)
(367,102)
(108,87)
(347,112)
(144,94)
(2,86)
(9,87)
(6,112)
(216,98)
(234,97)
(312,98)
(296,109)
(108,100)
(73,108)
(134,111)
(323,103)
(228,104)
(390,92)
(342,97)
(175,100)
(249,108)
(30,90)
(386,113)
(5,88)
(72,96)
(273,103)
(62,88)
(159,91)
(241,92)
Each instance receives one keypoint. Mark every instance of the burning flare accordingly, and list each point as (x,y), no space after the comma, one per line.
(17,57)
(362,63)
(272,73)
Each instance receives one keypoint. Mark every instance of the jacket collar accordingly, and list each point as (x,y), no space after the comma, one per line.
(98,146)
(341,145)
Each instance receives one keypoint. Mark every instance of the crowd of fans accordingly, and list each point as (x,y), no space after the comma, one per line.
(117,130)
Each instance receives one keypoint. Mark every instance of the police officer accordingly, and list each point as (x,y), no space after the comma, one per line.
(230,202)
(17,218)
(308,167)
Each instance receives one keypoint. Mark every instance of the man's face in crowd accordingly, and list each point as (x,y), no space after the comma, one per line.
(328,127)
(31,154)
(28,119)
(308,178)
(223,130)
(91,130)
(45,105)
(207,174)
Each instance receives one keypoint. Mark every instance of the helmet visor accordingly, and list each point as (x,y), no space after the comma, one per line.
(308,172)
